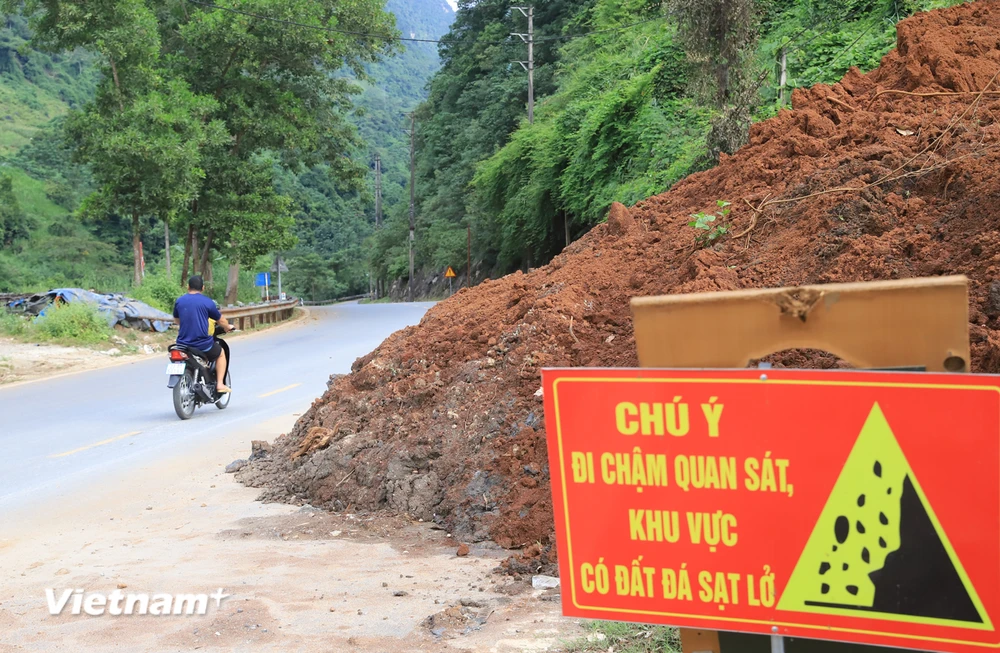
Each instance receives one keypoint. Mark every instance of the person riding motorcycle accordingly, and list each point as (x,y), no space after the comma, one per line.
(195,313)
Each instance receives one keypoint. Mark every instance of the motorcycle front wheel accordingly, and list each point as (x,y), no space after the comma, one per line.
(184,403)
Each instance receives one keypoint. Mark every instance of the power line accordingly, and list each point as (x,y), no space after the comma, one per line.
(385,37)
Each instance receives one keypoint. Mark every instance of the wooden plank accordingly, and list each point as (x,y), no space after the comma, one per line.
(869,325)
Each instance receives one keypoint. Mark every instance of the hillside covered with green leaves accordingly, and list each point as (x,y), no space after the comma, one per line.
(51,240)
(631,96)
(630,99)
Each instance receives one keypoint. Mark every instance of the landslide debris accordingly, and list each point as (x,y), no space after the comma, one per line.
(444,421)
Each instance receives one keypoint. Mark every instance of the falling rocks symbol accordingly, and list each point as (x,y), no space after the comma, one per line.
(877,547)
(919,578)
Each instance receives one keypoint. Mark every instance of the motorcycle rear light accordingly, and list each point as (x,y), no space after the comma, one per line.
(178,356)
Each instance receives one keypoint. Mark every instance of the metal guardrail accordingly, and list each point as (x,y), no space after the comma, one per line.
(330,302)
(247,317)
(242,317)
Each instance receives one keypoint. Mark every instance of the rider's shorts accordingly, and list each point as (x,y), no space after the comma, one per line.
(214,352)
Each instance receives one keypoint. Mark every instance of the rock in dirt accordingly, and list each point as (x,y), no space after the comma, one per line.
(544,582)
(620,221)
(235,466)
(463,550)
(457,619)
(992,305)
(394,441)
(553,595)
(259,449)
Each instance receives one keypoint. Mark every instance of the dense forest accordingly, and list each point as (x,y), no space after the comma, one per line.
(629,101)
(631,96)
(320,203)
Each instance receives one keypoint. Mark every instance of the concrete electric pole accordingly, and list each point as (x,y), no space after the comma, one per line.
(378,217)
(529,65)
(378,190)
(413,196)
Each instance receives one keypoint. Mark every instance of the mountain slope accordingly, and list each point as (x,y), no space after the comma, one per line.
(36,87)
(333,224)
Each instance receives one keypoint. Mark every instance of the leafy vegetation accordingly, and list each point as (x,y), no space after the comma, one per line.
(619,127)
(337,225)
(476,101)
(76,323)
(713,224)
(37,87)
(627,638)
(159,291)
(13,219)
(228,153)
(623,113)
(200,79)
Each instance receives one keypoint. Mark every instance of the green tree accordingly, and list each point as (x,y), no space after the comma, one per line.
(146,157)
(256,219)
(476,101)
(277,90)
(142,135)
(720,37)
(13,221)
(618,128)
(315,278)
(172,70)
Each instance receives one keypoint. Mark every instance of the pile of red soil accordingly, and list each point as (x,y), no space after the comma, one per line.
(443,421)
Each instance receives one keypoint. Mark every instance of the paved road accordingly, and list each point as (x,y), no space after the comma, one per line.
(61,435)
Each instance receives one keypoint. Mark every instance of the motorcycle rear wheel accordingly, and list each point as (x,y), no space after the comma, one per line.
(223,401)
(184,399)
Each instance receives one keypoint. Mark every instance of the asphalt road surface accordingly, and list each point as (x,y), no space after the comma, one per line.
(59,436)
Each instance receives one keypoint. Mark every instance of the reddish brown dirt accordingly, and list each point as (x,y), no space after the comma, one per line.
(443,421)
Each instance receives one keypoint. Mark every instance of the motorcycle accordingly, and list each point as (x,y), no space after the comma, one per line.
(193,379)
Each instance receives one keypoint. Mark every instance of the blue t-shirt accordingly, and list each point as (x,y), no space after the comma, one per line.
(194,309)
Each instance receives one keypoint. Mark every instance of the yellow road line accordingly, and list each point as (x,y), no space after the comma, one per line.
(286,389)
(96,444)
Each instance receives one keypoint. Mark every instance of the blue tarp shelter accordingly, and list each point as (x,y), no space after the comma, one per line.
(119,309)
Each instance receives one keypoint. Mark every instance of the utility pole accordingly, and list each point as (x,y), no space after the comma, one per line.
(784,76)
(468,279)
(378,189)
(413,196)
(529,65)
(378,221)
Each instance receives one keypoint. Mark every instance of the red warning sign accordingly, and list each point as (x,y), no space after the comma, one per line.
(851,506)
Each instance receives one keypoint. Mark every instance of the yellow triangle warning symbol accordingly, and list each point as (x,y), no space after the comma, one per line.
(878,550)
